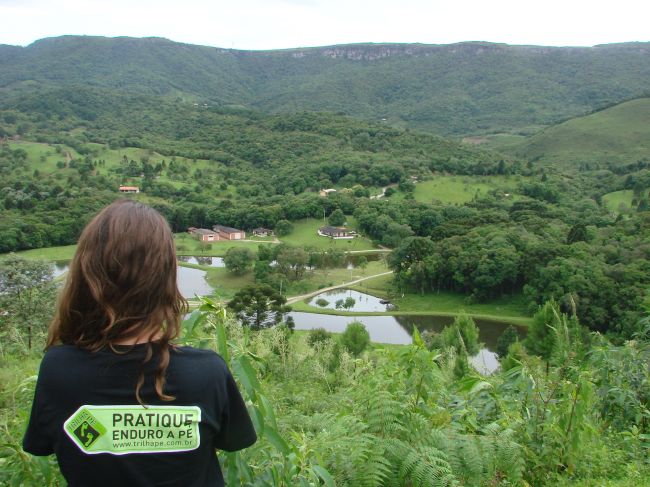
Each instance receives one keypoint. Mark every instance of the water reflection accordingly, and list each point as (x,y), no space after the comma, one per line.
(352,260)
(191,282)
(201,260)
(60,267)
(398,329)
(362,301)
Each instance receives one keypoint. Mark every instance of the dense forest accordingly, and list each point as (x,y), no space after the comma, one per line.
(460,89)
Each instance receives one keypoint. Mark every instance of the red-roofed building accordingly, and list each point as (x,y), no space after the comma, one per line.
(229,233)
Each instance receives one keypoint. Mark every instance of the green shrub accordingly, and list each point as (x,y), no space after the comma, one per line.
(355,338)
(318,335)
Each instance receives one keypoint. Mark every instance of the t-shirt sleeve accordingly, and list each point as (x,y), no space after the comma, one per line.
(37,440)
(237,430)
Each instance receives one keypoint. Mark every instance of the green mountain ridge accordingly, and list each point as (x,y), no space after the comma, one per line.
(465,88)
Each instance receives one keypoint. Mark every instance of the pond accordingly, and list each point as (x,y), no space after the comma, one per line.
(190,281)
(200,260)
(336,298)
(398,330)
(60,267)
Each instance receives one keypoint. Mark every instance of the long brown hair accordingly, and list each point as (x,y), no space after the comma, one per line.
(122,285)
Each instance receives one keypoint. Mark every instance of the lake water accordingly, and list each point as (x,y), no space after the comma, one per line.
(398,330)
(382,329)
(191,282)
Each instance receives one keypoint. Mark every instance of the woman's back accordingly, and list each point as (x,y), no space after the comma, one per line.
(86,413)
(116,401)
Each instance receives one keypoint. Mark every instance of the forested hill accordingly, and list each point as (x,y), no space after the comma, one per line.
(447,89)
(608,138)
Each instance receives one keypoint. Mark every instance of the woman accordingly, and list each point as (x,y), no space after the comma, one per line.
(118,403)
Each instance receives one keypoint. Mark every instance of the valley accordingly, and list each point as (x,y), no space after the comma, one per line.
(453,285)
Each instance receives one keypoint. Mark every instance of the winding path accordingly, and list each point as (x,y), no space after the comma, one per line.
(295,299)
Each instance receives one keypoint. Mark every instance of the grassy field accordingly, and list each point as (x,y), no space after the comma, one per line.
(498,142)
(65,252)
(319,279)
(511,308)
(188,245)
(305,234)
(227,284)
(461,189)
(619,200)
(45,157)
(620,134)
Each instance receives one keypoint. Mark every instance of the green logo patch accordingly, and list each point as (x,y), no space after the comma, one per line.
(120,430)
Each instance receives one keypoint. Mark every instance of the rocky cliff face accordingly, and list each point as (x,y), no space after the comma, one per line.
(374,52)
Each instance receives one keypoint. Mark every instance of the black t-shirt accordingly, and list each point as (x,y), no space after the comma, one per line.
(85,411)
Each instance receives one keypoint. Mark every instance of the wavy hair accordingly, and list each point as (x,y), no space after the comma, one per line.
(122,286)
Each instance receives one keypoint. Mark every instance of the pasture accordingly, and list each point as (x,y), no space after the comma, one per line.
(461,189)
(619,201)
(305,233)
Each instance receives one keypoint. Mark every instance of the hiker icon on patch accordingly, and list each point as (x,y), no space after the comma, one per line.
(86,434)
(84,429)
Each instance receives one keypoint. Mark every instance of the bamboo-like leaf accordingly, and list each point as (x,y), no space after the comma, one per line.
(417,338)
(222,342)
(246,375)
(276,440)
(269,415)
(258,420)
(324,475)
(189,325)
(233,469)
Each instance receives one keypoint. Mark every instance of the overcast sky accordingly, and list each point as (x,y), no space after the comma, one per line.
(274,24)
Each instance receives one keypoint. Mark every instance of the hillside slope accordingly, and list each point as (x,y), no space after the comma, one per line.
(448,89)
(614,136)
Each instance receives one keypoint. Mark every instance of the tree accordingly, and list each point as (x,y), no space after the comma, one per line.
(322,302)
(27,295)
(337,218)
(462,335)
(292,262)
(410,259)
(283,227)
(317,336)
(406,186)
(238,260)
(540,339)
(355,338)
(507,338)
(259,306)
(578,233)
(362,263)
(203,247)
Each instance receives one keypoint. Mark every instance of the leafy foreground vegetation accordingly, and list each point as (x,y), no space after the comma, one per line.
(407,416)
